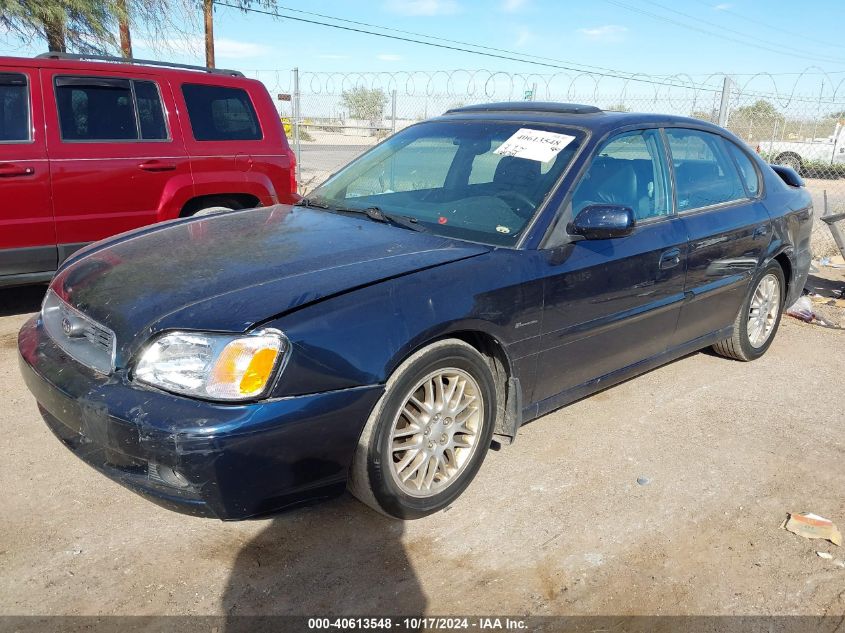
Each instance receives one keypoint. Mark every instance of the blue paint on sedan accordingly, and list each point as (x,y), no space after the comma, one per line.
(236,364)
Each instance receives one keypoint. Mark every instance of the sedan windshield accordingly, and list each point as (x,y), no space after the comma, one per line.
(475,180)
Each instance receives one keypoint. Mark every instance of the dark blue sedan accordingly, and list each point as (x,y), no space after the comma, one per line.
(467,275)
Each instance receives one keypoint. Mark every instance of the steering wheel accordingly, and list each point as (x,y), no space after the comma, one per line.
(525,205)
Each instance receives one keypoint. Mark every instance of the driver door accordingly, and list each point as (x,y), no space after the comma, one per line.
(611,303)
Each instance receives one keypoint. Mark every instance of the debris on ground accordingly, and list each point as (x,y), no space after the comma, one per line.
(811,525)
(643,481)
(802,309)
(832,262)
(824,555)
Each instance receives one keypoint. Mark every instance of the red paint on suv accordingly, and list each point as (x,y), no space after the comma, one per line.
(90,149)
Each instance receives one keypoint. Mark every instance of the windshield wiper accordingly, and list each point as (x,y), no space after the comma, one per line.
(311,203)
(373,213)
(376,214)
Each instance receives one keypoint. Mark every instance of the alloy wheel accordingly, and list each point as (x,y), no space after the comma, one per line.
(436,432)
(763,310)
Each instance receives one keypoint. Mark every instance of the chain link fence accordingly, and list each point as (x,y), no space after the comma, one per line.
(333,117)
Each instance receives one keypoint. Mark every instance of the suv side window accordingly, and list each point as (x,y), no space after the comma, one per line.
(704,172)
(150,112)
(746,169)
(221,114)
(14,108)
(109,109)
(630,170)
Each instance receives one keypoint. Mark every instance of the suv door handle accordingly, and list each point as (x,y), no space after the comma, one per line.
(157,165)
(10,169)
(670,259)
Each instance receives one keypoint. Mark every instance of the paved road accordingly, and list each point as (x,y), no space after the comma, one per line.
(556,524)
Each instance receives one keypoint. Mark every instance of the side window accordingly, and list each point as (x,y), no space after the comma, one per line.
(14,108)
(150,112)
(629,170)
(746,169)
(704,172)
(95,109)
(420,165)
(221,114)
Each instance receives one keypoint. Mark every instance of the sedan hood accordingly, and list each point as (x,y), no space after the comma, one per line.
(231,271)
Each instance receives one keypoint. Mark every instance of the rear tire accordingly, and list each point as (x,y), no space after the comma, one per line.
(423,443)
(213,207)
(759,316)
(790,160)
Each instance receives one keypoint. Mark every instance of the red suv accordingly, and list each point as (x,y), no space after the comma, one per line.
(90,149)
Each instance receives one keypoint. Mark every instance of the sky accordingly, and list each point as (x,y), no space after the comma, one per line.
(654,37)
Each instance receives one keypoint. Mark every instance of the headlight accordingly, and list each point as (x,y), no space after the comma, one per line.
(214,366)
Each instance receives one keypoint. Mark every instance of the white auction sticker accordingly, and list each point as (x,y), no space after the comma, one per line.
(534,145)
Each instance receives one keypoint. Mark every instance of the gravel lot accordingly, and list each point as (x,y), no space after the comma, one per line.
(555,524)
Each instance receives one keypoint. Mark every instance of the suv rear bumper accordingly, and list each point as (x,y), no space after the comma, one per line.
(235,461)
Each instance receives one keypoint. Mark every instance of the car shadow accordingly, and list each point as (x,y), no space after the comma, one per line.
(832,288)
(21,299)
(335,558)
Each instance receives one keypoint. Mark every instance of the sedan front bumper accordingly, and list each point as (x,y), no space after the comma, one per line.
(231,461)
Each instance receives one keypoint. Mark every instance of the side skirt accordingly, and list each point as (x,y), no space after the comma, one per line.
(620,375)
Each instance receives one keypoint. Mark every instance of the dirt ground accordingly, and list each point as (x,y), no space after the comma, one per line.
(555,524)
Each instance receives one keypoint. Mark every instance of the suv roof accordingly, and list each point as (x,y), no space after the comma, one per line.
(135,60)
(83,63)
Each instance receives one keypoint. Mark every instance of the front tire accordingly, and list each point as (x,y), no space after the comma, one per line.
(759,316)
(426,438)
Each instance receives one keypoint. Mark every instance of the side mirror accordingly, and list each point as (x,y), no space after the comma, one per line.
(603,221)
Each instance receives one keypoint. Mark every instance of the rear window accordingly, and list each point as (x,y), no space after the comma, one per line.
(704,172)
(109,109)
(14,108)
(221,114)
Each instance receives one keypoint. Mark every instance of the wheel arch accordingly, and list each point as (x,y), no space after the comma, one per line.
(508,387)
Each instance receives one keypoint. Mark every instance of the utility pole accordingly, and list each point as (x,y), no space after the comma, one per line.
(125,37)
(208,10)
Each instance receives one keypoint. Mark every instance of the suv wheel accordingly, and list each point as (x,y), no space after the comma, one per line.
(213,207)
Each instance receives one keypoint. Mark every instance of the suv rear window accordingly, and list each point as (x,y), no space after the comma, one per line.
(109,109)
(14,108)
(221,114)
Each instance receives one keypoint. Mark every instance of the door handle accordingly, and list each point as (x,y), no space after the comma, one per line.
(10,169)
(157,165)
(670,259)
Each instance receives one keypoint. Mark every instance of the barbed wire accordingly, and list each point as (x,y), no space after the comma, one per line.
(502,85)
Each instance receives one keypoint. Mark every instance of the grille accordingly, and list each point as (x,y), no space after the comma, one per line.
(82,338)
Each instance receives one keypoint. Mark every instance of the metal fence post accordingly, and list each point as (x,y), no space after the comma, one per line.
(725,104)
(295,126)
(393,111)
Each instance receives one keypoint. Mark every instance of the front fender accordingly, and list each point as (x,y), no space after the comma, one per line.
(359,338)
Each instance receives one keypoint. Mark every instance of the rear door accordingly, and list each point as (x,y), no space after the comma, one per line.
(612,303)
(718,199)
(27,230)
(115,149)
(226,138)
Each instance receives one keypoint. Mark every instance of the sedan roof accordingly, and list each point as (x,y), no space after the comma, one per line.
(573,114)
